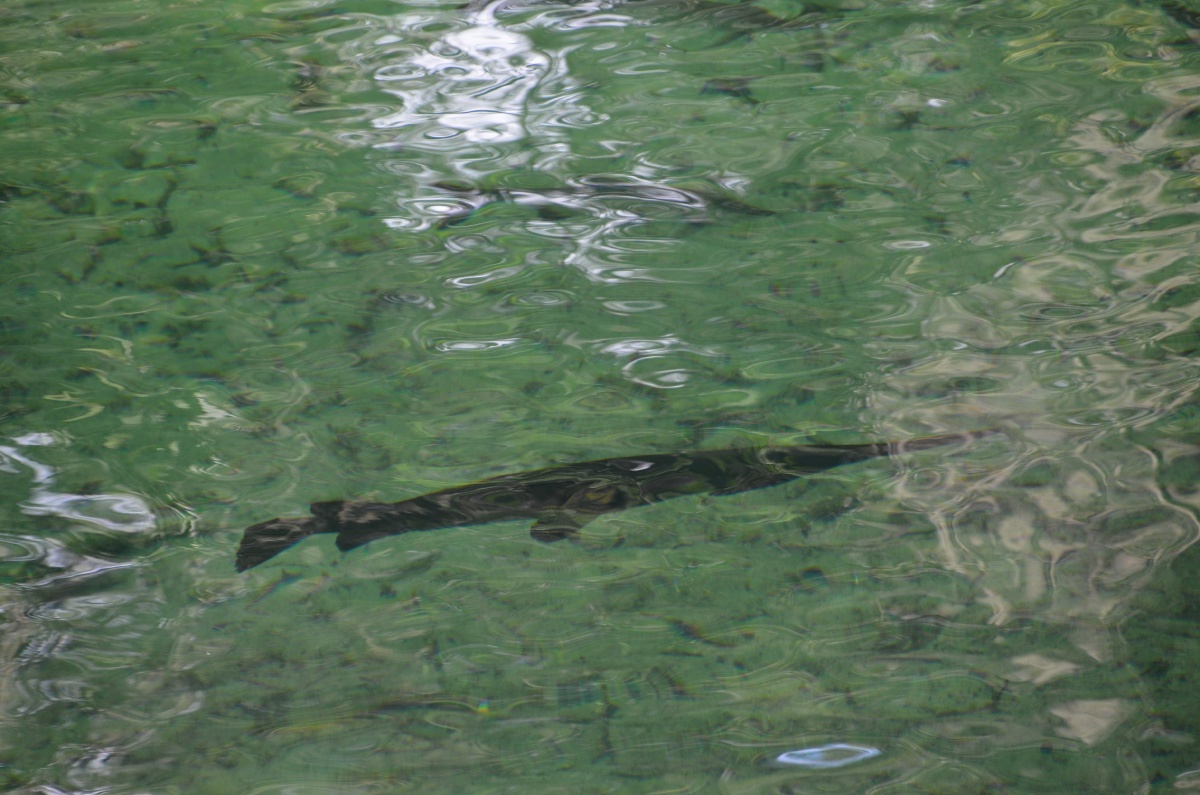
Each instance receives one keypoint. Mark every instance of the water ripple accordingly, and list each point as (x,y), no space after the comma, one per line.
(376,249)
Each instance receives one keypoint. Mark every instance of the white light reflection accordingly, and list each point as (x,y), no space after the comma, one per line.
(825,757)
(475,83)
(123,513)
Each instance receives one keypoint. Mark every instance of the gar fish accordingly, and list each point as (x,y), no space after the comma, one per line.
(563,499)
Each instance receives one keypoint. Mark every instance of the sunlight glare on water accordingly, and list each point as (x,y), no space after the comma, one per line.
(263,255)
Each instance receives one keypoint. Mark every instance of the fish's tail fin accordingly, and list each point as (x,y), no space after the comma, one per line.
(265,540)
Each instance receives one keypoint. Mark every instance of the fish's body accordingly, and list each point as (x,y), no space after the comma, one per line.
(563,499)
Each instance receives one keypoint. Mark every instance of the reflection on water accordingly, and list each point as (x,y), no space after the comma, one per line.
(475,82)
(827,756)
(259,256)
(124,513)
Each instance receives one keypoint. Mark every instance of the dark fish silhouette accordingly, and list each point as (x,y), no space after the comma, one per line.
(563,499)
(1182,14)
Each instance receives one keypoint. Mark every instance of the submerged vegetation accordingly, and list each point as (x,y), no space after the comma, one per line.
(259,255)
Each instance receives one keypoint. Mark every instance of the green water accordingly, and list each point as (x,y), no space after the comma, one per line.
(256,255)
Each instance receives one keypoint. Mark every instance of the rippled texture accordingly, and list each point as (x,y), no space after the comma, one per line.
(260,255)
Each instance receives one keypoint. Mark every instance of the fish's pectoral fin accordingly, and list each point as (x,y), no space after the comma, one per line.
(553,528)
(758,480)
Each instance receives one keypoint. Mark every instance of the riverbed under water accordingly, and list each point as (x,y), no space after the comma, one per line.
(257,255)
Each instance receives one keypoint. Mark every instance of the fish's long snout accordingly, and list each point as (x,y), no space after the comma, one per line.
(930,442)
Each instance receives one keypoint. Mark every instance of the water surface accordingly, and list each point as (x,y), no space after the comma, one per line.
(261,254)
